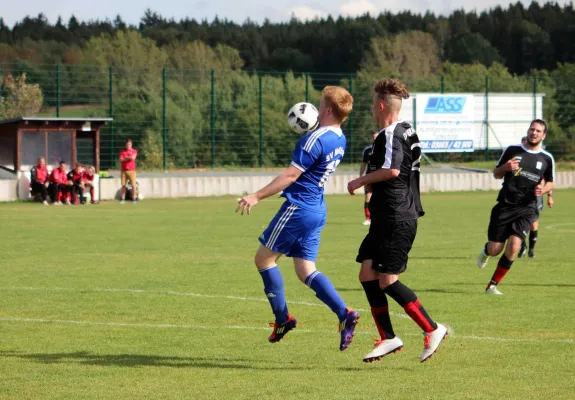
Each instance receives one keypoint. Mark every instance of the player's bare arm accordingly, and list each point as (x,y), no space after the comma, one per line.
(377,176)
(282,181)
(542,189)
(511,165)
(362,169)
(550,199)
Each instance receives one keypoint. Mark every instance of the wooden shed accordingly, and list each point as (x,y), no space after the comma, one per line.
(23,140)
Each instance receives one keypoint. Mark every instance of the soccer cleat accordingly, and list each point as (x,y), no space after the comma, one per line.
(347,328)
(482,259)
(58,203)
(492,289)
(367,222)
(45,203)
(522,251)
(122,202)
(280,330)
(431,342)
(531,254)
(383,348)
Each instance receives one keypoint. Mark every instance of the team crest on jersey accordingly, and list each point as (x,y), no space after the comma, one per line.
(539,165)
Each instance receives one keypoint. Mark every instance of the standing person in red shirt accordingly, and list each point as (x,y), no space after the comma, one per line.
(59,184)
(128,159)
(88,180)
(39,179)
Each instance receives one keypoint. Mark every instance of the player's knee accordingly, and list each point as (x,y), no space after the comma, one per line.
(494,249)
(387,280)
(301,275)
(366,273)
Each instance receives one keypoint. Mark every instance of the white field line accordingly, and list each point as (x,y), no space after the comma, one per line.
(209,296)
(251,328)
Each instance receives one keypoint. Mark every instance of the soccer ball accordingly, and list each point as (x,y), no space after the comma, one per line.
(303,118)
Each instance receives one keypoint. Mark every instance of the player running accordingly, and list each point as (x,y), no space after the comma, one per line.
(533,234)
(523,168)
(296,228)
(395,206)
(366,154)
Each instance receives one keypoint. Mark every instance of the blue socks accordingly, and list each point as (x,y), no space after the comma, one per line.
(274,290)
(325,291)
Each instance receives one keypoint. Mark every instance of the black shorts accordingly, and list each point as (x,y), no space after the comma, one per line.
(388,244)
(365,190)
(506,221)
(539,205)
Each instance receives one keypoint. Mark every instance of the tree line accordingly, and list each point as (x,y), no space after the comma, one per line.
(521,38)
(220,111)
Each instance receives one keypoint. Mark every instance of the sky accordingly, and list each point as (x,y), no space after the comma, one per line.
(236,10)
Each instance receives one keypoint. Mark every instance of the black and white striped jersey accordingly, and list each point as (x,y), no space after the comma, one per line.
(519,185)
(366,154)
(398,199)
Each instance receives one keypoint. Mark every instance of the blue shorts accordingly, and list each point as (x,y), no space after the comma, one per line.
(294,232)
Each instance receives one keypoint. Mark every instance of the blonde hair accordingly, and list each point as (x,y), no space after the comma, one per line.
(391,89)
(340,101)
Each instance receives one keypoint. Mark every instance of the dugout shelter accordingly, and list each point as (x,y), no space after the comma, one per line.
(23,140)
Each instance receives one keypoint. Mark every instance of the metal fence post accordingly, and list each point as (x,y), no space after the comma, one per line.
(261,122)
(414,113)
(164,118)
(487,117)
(442,84)
(351,120)
(213,117)
(534,98)
(111,113)
(58,91)
(307,87)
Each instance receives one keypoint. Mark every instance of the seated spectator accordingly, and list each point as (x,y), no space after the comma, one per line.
(39,179)
(75,184)
(88,180)
(59,185)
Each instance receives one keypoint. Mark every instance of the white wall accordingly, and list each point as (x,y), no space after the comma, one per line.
(8,190)
(236,185)
(108,189)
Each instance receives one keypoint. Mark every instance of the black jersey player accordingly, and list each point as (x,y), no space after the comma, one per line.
(527,172)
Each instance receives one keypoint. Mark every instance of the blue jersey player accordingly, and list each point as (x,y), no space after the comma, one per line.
(296,228)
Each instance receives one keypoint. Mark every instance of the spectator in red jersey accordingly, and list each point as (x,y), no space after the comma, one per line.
(39,179)
(59,184)
(88,180)
(128,159)
(75,184)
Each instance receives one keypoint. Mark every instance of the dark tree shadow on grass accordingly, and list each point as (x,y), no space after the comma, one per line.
(143,360)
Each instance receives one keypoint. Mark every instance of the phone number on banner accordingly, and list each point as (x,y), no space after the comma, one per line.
(446,145)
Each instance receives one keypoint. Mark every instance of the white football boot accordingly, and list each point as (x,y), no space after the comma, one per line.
(383,348)
(492,289)
(482,259)
(431,341)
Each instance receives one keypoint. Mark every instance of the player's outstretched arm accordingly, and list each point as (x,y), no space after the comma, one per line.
(282,181)
(377,176)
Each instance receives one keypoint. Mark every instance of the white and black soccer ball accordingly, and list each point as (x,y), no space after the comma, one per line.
(303,118)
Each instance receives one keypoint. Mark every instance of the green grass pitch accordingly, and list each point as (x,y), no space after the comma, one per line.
(160,300)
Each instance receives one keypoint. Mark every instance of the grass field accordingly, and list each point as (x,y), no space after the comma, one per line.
(160,300)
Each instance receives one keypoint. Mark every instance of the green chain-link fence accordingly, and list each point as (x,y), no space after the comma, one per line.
(210,118)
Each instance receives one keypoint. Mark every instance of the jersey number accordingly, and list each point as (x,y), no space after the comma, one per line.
(330,169)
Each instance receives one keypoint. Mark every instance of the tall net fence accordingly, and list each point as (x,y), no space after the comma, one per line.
(180,119)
